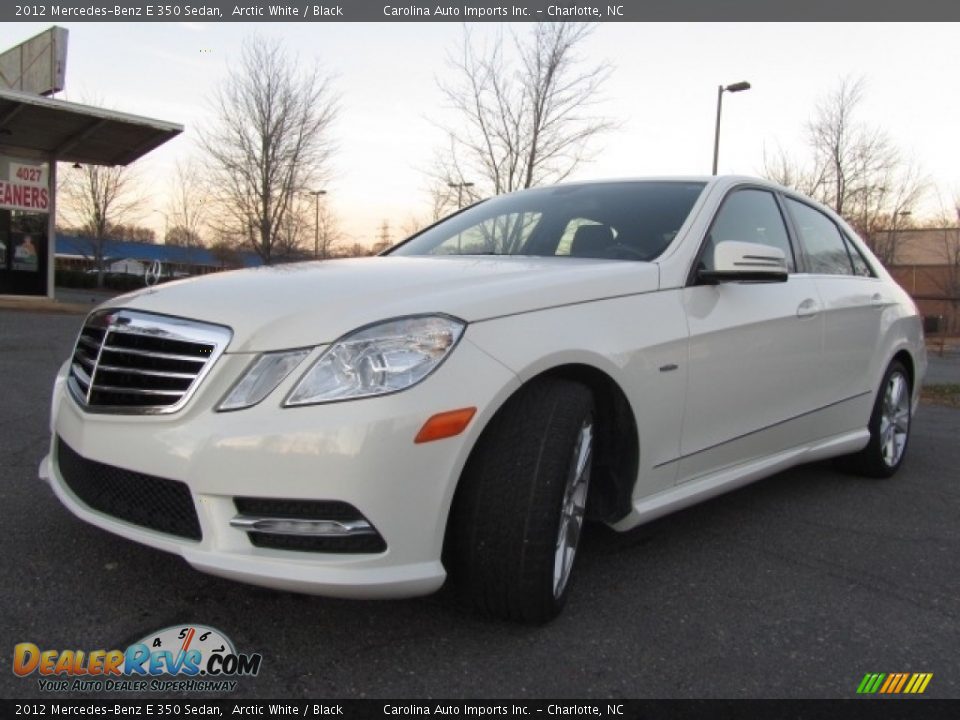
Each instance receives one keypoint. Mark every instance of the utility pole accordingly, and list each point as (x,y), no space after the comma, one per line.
(316,225)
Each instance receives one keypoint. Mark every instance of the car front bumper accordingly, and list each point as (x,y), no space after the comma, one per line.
(359,452)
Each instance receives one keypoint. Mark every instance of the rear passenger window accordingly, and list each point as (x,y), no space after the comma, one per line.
(748,216)
(825,247)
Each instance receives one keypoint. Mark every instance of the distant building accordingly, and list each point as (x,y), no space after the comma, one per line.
(76,253)
(927,265)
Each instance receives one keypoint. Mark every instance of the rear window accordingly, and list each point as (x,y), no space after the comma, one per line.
(624,220)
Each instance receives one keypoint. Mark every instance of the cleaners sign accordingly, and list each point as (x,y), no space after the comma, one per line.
(24,186)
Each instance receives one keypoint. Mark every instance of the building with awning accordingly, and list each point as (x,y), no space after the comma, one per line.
(76,252)
(36,133)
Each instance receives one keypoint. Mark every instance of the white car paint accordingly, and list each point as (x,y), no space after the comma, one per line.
(727,383)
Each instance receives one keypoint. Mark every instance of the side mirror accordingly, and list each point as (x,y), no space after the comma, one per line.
(735,261)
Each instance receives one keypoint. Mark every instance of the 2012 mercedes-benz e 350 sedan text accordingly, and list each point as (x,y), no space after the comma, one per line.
(460,405)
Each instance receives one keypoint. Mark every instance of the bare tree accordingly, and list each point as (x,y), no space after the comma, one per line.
(328,233)
(946,278)
(225,252)
(951,253)
(780,167)
(355,249)
(269,143)
(854,168)
(180,236)
(524,112)
(95,200)
(131,232)
(293,235)
(413,225)
(881,214)
(188,206)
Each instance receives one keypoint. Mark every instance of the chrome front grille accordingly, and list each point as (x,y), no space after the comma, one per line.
(139,363)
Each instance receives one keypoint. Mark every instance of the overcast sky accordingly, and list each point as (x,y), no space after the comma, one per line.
(662,92)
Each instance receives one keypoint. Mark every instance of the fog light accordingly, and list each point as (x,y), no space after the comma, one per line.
(289,526)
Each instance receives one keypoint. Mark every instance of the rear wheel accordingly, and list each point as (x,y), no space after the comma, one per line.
(889,427)
(518,515)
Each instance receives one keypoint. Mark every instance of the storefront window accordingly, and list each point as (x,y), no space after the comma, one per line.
(24,245)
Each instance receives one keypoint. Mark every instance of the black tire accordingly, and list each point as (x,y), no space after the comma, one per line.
(504,527)
(874,460)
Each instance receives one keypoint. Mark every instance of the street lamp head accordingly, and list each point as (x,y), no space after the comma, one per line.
(737,87)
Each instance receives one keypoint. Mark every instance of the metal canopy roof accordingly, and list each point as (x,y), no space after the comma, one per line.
(41,127)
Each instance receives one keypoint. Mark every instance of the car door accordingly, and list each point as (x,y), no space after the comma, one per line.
(754,348)
(853,301)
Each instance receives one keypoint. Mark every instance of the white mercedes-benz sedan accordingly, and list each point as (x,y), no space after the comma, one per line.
(461,404)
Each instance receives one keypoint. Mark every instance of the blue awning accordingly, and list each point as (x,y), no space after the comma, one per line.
(148,252)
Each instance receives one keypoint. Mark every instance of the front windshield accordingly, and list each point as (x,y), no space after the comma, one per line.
(617,220)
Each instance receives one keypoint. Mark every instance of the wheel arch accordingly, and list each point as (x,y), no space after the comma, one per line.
(617,456)
(903,355)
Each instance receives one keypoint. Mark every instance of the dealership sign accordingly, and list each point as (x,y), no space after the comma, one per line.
(24,186)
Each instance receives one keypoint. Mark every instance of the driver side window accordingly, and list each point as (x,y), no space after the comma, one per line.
(748,215)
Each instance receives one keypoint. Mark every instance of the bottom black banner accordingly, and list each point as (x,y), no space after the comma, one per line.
(902,709)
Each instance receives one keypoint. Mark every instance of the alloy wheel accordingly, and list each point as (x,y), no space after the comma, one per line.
(894,419)
(573,507)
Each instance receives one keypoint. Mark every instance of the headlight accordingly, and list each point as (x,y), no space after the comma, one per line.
(261,378)
(379,359)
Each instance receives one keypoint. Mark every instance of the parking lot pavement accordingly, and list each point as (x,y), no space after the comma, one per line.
(792,587)
(942,368)
(83,296)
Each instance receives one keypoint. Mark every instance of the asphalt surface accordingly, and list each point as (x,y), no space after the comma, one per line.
(793,587)
(943,369)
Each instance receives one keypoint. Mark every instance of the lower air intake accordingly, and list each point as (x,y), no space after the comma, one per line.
(151,502)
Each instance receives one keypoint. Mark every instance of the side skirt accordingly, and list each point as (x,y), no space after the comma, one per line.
(703,488)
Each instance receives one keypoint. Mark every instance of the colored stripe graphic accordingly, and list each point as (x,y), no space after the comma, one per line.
(894,683)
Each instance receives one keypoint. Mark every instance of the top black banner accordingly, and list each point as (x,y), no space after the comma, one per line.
(478,11)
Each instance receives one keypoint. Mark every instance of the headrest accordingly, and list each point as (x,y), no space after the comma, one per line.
(591,241)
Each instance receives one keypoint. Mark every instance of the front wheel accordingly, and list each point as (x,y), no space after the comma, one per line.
(889,427)
(518,514)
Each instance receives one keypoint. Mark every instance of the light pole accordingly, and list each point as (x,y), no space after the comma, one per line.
(316,225)
(736,87)
(166,224)
(459,187)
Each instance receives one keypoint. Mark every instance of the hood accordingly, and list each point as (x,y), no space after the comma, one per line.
(315,303)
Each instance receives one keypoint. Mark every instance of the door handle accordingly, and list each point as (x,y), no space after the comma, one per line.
(808,308)
(877,300)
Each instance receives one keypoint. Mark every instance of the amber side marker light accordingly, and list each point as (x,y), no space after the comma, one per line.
(445,424)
